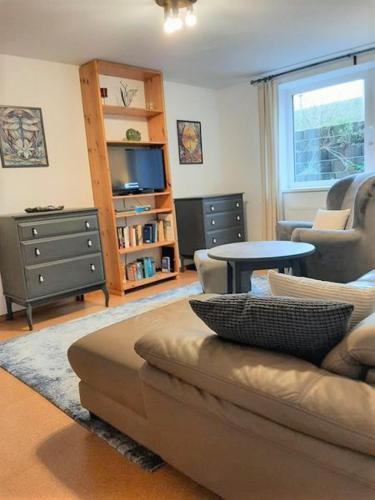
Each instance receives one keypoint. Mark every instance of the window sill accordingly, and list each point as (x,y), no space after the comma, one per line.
(305,190)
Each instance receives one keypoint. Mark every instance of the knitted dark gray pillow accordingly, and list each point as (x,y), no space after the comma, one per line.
(307,329)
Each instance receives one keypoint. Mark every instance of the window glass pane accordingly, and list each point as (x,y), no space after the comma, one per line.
(328,133)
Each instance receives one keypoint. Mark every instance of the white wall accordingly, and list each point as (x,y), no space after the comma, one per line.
(303,205)
(239,137)
(185,102)
(55,88)
(230,144)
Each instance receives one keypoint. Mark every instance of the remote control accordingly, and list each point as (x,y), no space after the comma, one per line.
(49,208)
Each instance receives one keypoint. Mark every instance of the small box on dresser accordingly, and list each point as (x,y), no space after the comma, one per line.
(209,221)
(50,255)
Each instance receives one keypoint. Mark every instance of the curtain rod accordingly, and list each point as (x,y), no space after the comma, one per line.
(313,65)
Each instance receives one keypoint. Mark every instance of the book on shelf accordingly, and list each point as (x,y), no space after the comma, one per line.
(141,269)
(154,231)
(167,226)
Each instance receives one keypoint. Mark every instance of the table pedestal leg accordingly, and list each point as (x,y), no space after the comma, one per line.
(242,277)
(229,277)
(299,267)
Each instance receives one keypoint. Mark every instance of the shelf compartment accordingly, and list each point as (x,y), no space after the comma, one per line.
(132,112)
(147,246)
(124,215)
(125,71)
(159,276)
(144,195)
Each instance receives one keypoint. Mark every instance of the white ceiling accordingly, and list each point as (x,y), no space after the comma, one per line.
(233,40)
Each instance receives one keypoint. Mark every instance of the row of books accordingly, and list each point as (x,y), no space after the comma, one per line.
(152,232)
(142,268)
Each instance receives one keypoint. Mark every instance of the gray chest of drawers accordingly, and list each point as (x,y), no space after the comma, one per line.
(209,221)
(50,255)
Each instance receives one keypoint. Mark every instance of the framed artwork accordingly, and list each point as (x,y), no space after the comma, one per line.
(22,140)
(189,142)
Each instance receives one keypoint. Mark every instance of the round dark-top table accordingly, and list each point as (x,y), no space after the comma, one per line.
(250,256)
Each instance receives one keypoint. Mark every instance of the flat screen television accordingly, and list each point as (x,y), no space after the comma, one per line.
(135,170)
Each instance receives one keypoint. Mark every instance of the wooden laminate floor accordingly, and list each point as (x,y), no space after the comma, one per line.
(44,455)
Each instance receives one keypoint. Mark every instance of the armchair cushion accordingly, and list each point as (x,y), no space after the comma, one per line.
(286,390)
(331,219)
(362,298)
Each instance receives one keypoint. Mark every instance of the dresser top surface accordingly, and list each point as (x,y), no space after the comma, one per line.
(207,196)
(55,213)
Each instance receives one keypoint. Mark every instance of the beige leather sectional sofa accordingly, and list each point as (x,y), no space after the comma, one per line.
(245,423)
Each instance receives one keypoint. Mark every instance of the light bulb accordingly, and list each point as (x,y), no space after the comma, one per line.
(190,18)
(169,25)
(177,23)
(172,22)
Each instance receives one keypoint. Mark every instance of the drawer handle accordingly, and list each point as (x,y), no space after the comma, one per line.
(213,222)
(87,224)
(34,231)
(41,278)
(237,205)
(92,267)
(239,235)
(89,243)
(37,252)
(214,240)
(212,208)
(238,217)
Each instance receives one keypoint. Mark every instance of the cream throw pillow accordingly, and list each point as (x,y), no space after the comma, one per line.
(363,299)
(331,219)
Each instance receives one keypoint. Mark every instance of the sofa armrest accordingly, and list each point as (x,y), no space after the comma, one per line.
(284,389)
(285,228)
(338,238)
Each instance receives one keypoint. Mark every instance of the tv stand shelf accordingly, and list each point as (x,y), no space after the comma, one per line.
(124,215)
(140,195)
(159,276)
(146,246)
(99,118)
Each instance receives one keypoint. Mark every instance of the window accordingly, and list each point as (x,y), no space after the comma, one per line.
(322,132)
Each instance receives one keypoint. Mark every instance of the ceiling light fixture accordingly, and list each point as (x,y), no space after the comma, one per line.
(175,11)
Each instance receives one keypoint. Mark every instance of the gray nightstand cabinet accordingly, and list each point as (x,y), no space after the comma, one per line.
(49,256)
(209,221)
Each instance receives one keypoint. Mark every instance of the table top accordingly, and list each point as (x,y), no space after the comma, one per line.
(261,251)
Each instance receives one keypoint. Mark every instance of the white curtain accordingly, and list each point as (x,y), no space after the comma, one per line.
(268,127)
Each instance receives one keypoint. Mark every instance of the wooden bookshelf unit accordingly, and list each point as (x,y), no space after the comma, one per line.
(106,124)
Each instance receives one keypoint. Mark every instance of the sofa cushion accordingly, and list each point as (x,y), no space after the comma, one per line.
(340,361)
(355,354)
(307,329)
(283,389)
(359,294)
(361,342)
(106,360)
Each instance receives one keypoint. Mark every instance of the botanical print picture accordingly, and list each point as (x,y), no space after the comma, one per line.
(22,141)
(189,142)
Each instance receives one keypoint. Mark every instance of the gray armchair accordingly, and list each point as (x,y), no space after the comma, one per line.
(340,256)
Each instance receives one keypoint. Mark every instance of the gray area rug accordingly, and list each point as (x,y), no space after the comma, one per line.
(39,360)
